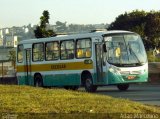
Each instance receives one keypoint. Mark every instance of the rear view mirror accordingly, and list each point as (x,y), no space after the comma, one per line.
(104,48)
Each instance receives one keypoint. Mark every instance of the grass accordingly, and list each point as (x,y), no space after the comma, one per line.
(22,100)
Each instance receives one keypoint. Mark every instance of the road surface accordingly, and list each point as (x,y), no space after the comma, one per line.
(143,93)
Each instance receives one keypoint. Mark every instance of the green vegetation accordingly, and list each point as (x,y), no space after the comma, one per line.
(42,30)
(147,24)
(29,100)
(152,58)
(12,57)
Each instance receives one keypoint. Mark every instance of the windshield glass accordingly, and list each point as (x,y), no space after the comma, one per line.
(125,50)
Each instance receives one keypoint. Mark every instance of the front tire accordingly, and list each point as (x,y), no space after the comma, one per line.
(123,87)
(89,87)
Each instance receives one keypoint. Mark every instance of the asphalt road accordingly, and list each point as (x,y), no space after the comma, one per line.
(143,93)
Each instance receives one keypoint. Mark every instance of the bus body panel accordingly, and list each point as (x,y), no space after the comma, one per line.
(55,74)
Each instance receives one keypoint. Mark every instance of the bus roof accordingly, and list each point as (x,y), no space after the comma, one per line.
(73,36)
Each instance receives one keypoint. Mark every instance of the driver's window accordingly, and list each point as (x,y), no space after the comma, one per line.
(20,53)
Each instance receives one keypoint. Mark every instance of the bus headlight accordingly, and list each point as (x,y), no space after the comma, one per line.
(145,69)
(114,69)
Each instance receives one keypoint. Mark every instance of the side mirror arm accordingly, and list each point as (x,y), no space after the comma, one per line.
(104,48)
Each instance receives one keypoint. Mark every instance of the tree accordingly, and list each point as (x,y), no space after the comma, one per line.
(12,57)
(152,28)
(134,21)
(42,31)
(147,24)
(38,32)
(44,19)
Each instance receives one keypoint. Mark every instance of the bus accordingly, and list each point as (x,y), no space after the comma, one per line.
(93,59)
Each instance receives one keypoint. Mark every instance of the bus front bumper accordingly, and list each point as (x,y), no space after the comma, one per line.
(114,78)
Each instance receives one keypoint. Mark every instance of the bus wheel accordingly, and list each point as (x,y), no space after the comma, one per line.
(89,87)
(123,87)
(38,81)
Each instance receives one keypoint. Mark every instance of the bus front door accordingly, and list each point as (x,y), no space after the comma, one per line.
(28,66)
(99,63)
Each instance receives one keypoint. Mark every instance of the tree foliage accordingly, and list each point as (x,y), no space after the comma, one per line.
(147,24)
(152,28)
(133,21)
(41,30)
(12,56)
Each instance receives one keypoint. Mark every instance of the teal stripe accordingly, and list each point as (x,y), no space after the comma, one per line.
(53,80)
(62,80)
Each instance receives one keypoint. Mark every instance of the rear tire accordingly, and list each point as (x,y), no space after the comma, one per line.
(38,81)
(89,87)
(123,87)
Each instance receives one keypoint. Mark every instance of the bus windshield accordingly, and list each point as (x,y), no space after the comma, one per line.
(125,50)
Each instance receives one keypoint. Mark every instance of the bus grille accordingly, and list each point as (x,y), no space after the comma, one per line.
(125,72)
(130,72)
(136,72)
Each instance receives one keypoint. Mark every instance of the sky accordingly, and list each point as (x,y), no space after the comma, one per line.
(24,12)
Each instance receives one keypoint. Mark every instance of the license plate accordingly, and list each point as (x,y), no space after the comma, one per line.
(131,77)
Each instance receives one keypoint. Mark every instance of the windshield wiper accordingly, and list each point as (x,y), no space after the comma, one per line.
(131,50)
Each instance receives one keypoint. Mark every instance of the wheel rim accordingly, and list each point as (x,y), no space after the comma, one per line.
(37,84)
(88,83)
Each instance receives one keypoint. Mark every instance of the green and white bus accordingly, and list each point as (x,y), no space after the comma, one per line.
(90,60)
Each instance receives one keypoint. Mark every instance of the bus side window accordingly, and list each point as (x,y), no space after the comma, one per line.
(38,52)
(67,49)
(83,48)
(52,50)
